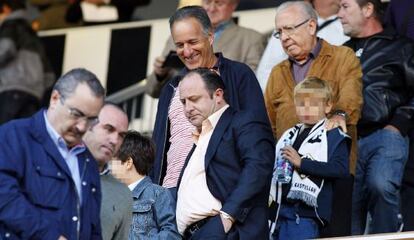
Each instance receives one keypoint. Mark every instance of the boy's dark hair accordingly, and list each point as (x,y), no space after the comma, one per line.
(13,4)
(140,149)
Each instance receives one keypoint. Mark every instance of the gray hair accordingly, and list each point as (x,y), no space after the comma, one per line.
(196,12)
(305,7)
(66,84)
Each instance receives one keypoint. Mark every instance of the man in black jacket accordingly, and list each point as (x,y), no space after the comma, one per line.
(387,116)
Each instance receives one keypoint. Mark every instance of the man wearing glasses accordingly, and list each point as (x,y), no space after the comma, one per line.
(49,181)
(309,56)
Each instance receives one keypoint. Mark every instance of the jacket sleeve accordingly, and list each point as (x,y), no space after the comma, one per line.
(403,117)
(338,162)
(155,84)
(255,146)
(269,97)
(8,47)
(165,217)
(350,85)
(17,213)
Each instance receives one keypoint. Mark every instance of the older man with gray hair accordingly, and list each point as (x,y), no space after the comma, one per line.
(310,56)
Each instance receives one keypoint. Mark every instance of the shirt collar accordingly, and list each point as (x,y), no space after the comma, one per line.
(210,123)
(56,138)
(105,171)
(313,54)
(133,185)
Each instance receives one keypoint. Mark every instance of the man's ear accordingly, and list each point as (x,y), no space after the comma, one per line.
(368,10)
(219,95)
(54,99)
(312,26)
(129,163)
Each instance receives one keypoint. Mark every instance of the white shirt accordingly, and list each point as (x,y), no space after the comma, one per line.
(194,200)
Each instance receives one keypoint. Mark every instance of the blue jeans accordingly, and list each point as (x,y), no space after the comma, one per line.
(292,226)
(379,171)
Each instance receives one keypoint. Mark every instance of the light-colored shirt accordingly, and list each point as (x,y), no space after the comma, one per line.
(194,200)
(181,141)
(69,155)
(134,184)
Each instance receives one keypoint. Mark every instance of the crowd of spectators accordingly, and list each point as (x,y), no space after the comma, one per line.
(328,97)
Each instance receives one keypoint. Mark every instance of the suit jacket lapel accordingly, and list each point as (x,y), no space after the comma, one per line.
(41,135)
(218,133)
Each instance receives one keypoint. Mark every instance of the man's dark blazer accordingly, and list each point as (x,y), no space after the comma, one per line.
(239,162)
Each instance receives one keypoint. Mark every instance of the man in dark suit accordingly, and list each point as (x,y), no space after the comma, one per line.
(224,187)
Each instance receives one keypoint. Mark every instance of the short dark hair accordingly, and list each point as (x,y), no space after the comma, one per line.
(211,79)
(66,84)
(196,12)
(13,4)
(378,7)
(140,149)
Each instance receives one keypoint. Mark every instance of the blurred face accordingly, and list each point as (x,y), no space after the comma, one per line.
(198,104)
(105,138)
(72,116)
(121,170)
(352,18)
(311,107)
(219,11)
(193,47)
(297,33)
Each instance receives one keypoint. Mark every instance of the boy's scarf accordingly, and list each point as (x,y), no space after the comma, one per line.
(314,147)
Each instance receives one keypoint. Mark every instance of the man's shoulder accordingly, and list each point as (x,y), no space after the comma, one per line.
(336,51)
(235,66)
(112,188)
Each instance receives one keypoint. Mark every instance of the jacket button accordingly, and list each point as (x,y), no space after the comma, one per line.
(59,174)
(84,183)
(74,218)
(87,160)
(93,189)
(7,235)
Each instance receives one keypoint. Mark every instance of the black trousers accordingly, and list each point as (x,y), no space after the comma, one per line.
(17,104)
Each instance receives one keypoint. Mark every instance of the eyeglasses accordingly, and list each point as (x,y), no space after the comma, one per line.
(78,115)
(288,30)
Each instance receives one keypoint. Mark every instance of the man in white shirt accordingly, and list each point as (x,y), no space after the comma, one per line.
(222,191)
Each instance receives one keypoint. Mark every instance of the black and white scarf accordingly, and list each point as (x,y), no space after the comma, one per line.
(314,147)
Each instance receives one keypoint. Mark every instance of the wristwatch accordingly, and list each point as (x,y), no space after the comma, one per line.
(341,113)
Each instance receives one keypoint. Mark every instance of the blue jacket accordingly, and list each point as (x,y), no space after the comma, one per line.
(153,213)
(38,198)
(242,92)
(238,164)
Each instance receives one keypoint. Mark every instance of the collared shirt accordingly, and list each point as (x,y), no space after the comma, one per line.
(300,70)
(180,139)
(220,29)
(195,201)
(106,170)
(134,184)
(69,155)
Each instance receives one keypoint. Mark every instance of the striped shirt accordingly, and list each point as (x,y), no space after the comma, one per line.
(181,141)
